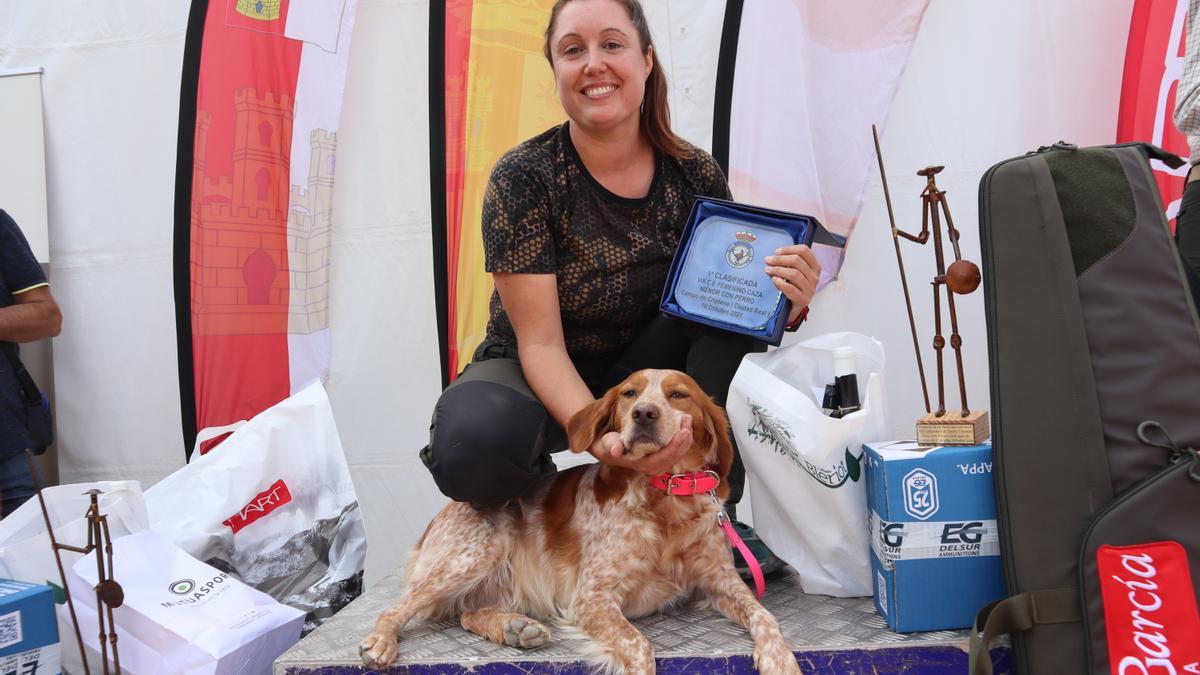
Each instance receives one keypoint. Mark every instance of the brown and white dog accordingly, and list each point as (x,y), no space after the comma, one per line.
(593,545)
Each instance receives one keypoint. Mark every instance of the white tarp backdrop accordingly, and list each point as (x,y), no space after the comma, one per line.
(985,81)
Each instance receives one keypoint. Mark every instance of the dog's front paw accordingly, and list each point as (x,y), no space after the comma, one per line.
(525,633)
(775,658)
(378,650)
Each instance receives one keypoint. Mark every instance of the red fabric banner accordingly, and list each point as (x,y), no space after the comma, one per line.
(1153,62)
(240,190)
(458,59)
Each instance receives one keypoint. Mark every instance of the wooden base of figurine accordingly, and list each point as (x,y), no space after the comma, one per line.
(952,428)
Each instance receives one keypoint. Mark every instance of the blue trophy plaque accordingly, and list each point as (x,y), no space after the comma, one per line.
(718,277)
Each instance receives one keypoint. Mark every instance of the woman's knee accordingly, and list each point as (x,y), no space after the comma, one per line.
(485,443)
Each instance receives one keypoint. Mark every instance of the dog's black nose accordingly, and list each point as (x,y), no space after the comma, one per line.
(646,413)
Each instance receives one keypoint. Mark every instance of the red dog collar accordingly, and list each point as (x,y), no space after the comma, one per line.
(690,483)
(706,481)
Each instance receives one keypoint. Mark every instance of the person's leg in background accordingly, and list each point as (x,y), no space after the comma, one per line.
(712,361)
(16,483)
(490,438)
(1187,232)
(663,343)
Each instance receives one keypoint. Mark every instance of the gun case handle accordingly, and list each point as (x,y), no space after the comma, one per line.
(1017,614)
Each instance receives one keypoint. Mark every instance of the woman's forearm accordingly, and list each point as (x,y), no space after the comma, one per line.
(554,380)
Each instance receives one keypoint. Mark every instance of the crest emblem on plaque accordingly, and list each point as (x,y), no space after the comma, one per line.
(740,252)
(920,494)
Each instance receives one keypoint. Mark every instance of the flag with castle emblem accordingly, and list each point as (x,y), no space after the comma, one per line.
(260,103)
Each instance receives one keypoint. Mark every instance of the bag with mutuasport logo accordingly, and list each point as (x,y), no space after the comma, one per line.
(1094,346)
(178,615)
(273,505)
(804,467)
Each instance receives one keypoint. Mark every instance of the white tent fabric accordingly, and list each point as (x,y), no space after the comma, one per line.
(985,81)
(798,138)
(111,101)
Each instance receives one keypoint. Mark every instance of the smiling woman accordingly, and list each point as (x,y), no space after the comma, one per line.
(567,52)
(579,227)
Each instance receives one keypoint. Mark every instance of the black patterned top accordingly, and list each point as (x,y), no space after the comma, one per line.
(543,213)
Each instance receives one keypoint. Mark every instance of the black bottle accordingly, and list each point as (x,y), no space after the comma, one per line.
(845,381)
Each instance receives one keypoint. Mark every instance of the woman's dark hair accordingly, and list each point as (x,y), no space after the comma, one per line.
(656,114)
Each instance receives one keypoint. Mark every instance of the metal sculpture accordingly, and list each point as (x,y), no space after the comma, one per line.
(962,277)
(109,594)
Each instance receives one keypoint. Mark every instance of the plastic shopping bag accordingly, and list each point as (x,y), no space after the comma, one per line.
(181,616)
(274,506)
(807,491)
(25,553)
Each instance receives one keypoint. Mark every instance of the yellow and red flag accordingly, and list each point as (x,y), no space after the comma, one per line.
(498,91)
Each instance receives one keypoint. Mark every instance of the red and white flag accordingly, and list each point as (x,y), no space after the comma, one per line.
(269,86)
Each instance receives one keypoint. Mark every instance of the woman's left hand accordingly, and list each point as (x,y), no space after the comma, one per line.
(795,271)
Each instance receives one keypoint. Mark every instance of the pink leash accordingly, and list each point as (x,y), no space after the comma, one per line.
(706,481)
(760,585)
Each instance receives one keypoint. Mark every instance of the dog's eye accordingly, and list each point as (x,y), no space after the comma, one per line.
(629,393)
(679,394)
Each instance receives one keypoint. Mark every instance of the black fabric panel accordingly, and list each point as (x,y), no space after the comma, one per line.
(1050,469)
(726,65)
(184,167)
(1097,205)
(1142,335)
(437,178)
(1160,509)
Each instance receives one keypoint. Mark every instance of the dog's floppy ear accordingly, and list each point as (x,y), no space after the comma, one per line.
(715,435)
(592,422)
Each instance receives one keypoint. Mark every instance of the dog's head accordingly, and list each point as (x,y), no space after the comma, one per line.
(646,410)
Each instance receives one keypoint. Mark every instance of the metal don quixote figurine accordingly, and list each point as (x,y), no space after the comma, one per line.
(939,427)
(109,594)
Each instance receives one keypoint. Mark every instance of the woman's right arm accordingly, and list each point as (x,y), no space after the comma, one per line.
(531,302)
(520,254)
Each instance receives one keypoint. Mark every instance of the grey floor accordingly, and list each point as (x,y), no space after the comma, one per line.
(809,622)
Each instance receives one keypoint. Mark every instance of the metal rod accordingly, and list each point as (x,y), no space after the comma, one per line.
(950,229)
(94,528)
(929,212)
(912,324)
(37,484)
(112,624)
(955,338)
(956,344)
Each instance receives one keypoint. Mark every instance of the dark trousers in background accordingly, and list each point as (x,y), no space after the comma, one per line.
(1187,235)
(491,439)
(16,483)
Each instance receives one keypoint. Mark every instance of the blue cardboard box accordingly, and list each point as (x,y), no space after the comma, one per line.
(28,630)
(935,548)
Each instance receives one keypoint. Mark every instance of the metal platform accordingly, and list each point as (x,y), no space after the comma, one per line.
(829,635)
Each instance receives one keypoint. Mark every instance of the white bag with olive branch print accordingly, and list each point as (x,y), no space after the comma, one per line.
(808,497)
